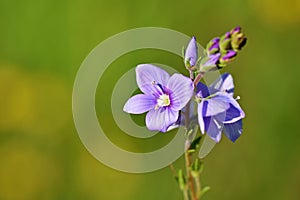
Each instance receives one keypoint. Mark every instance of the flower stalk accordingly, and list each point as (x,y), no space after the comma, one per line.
(170,102)
(219,52)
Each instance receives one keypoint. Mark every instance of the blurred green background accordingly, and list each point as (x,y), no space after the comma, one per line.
(42,44)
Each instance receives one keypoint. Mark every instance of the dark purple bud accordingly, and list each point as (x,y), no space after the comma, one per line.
(213,46)
(238,39)
(225,42)
(236,30)
(229,56)
(227,36)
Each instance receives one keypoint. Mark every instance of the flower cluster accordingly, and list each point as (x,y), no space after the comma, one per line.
(167,98)
(222,50)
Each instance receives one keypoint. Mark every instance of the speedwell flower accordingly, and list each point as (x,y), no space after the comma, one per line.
(163,97)
(218,111)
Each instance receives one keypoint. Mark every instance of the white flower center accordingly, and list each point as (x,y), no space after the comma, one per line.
(163,100)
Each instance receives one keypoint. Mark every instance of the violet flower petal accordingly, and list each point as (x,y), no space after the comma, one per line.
(147,74)
(213,128)
(224,83)
(201,109)
(213,60)
(234,114)
(140,103)
(215,106)
(160,119)
(233,131)
(202,90)
(182,89)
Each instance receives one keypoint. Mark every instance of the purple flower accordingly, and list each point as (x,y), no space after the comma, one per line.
(191,53)
(219,111)
(163,97)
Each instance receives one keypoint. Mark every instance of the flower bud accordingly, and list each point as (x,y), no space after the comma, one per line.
(236,30)
(228,57)
(213,46)
(238,42)
(191,53)
(238,39)
(225,42)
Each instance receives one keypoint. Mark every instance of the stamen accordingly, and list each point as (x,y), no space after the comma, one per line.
(163,100)
(158,87)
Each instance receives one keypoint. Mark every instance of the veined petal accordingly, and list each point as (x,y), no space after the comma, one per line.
(202,90)
(223,84)
(147,75)
(234,111)
(233,131)
(139,104)
(213,127)
(201,109)
(160,119)
(233,114)
(191,53)
(212,61)
(182,89)
(215,106)
(178,123)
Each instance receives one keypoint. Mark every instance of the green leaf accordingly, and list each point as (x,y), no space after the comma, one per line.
(181,180)
(204,190)
(197,168)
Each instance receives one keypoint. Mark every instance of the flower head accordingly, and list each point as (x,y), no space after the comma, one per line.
(191,53)
(218,111)
(163,97)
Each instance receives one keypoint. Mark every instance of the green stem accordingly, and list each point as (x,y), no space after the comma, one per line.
(193,187)
(190,181)
(185,194)
(198,187)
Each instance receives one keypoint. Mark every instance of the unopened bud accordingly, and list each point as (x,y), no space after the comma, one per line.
(191,53)
(225,42)
(213,46)
(228,57)
(238,39)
